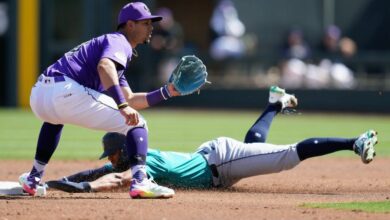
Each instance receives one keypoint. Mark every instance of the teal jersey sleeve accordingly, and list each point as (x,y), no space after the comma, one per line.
(109,167)
(185,170)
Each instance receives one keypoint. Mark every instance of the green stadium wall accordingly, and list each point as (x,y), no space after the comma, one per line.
(311,100)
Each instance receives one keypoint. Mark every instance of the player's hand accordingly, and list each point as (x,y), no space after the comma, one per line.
(172,91)
(131,116)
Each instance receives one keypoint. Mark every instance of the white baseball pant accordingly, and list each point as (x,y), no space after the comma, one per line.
(61,100)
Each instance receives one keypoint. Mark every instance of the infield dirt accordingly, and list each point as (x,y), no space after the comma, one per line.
(275,196)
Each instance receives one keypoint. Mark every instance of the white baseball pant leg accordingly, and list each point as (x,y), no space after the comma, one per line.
(68,102)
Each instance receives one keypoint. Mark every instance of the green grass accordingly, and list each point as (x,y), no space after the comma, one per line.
(381,207)
(185,130)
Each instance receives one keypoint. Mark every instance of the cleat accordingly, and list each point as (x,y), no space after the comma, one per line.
(364,146)
(29,183)
(275,93)
(148,189)
(287,101)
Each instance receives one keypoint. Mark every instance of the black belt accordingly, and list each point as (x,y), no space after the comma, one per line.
(214,170)
(56,79)
(213,167)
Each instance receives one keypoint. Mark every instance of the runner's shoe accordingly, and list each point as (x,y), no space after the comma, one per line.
(29,183)
(364,145)
(275,93)
(288,101)
(279,95)
(148,189)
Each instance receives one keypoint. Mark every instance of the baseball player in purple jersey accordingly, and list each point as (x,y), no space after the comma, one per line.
(87,87)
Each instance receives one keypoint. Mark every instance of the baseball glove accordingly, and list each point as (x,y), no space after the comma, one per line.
(189,75)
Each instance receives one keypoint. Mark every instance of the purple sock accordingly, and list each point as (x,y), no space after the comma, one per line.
(34,172)
(137,145)
(259,131)
(48,140)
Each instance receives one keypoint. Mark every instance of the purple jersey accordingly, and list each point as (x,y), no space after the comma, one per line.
(80,63)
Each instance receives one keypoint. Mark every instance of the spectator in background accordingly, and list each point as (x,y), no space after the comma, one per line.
(167,43)
(296,46)
(334,50)
(227,31)
(296,52)
(299,71)
(334,46)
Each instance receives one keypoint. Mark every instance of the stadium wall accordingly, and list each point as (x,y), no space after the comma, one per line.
(311,100)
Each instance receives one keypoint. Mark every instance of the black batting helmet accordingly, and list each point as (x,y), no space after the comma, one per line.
(112,142)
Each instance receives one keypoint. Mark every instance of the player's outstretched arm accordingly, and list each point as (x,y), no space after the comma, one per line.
(112,181)
(108,182)
(141,100)
(136,100)
(188,77)
(89,175)
(68,186)
(79,182)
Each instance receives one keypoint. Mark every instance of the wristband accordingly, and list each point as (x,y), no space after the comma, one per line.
(158,95)
(123,105)
(165,92)
(116,93)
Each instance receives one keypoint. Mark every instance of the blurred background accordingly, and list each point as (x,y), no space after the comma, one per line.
(333,54)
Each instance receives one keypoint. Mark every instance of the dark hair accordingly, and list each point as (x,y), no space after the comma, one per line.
(123,163)
(120,26)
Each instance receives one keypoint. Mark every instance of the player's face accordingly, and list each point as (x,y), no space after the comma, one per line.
(143,31)
(114,158)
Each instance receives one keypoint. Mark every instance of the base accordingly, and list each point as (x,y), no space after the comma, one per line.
(10,188)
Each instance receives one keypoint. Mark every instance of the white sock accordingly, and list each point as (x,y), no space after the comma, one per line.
(138,172)
(39,166)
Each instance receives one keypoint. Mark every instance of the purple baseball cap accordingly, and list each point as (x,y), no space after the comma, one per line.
(136,11)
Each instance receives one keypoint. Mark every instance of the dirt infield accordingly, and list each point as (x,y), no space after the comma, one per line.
(276,196)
